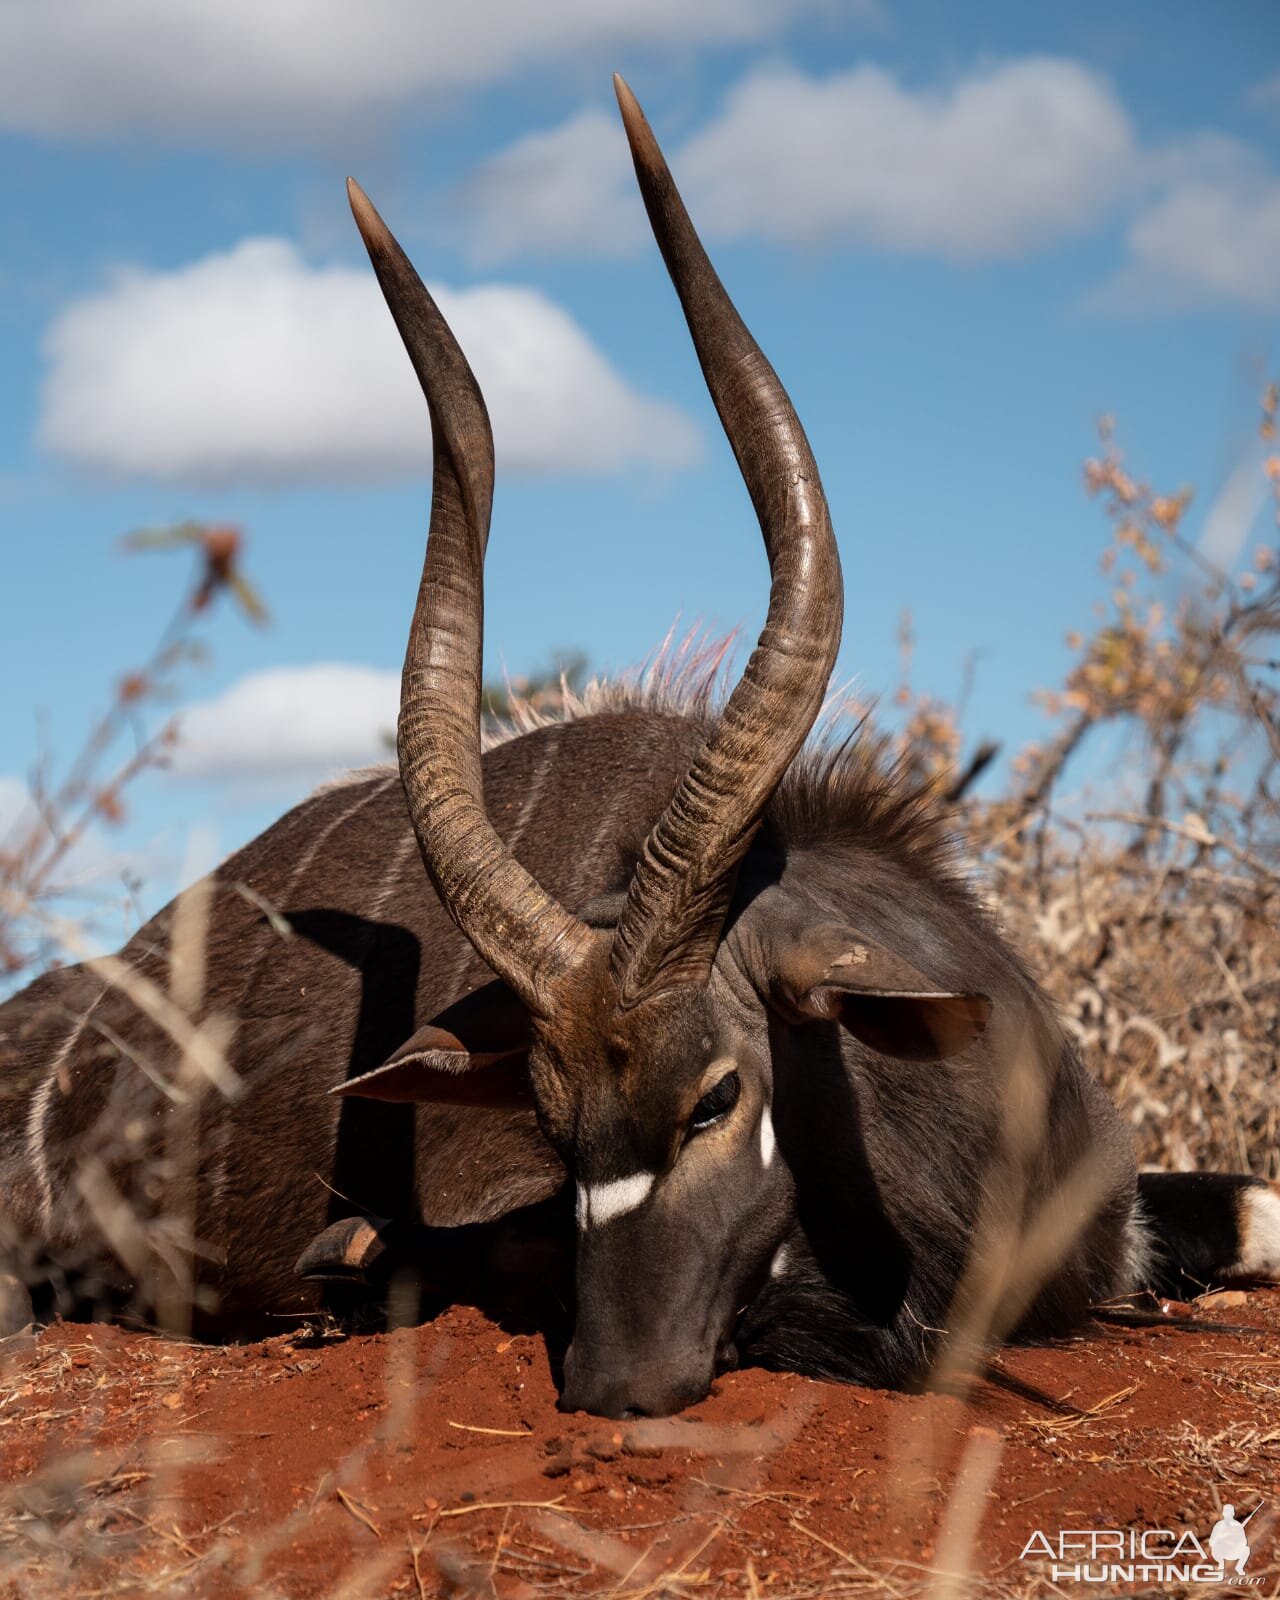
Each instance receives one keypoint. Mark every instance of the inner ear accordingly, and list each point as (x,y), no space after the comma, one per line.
(928,1026)
(829,974)
(474,1053)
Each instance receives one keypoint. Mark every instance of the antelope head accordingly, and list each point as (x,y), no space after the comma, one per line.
(649,1033)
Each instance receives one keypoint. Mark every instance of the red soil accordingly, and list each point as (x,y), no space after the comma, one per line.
(432,1461)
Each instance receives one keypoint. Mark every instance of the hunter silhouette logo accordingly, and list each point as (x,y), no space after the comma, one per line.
(1150,1555)
(1228,1543)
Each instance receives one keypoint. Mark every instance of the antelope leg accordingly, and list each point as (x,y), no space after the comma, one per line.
(15,1305)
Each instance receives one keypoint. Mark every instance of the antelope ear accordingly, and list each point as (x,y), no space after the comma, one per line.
(833,975)
(474,1053)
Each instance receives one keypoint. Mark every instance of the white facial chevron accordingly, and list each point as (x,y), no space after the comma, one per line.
(599,1203)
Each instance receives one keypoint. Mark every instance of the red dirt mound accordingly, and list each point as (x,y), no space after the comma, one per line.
(432,1461)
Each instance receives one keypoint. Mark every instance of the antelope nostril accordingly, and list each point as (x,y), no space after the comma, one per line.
(607,1395)
(627,1385)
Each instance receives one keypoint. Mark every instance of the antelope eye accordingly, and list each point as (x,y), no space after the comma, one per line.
(716,1103)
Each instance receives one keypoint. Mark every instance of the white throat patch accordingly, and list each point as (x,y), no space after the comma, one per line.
(602,1202)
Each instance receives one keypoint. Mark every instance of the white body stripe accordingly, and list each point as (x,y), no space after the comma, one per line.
(390,879)
(606,828)
(38,1112)
(768,1144)
(308,855)
(534,792)
(602,1202)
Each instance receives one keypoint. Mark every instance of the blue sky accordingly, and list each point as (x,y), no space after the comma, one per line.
(960,233)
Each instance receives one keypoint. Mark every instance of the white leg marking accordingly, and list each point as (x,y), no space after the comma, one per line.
(602,1202)
(767,1142)
(779,1263)
(38,1113)
(1259,1216)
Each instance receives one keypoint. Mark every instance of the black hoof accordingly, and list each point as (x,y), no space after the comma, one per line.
(346,1252)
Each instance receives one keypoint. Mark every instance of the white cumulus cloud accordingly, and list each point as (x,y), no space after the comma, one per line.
(1007,159)
(254,366)
(289,725)
(999,162)
(231,70)
(567,190)
(1205,241)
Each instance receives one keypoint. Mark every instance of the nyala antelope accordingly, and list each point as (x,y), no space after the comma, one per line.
(731,997)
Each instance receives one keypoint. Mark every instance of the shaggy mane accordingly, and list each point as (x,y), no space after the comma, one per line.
(844,788)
